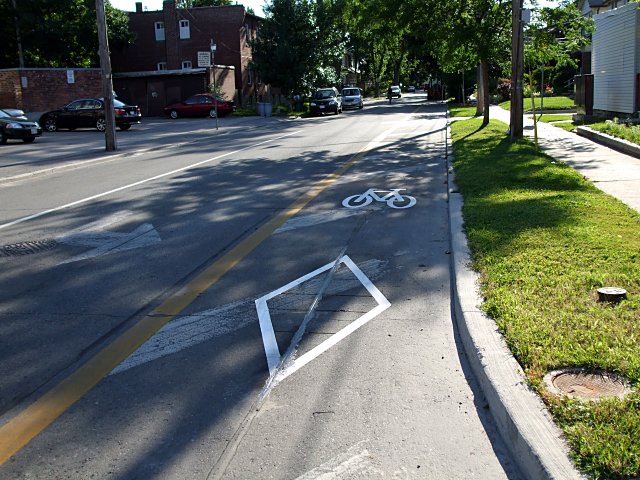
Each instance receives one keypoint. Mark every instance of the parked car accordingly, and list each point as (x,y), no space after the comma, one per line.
(394,91)
(89,113)
(200,105)
(17,127)
(411,89)
(352,98)
(325,100)
(14,112)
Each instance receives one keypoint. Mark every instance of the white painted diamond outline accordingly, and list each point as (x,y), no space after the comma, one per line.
(266,326)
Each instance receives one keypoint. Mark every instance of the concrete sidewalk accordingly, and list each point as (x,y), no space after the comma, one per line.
(611,171)
(536,443)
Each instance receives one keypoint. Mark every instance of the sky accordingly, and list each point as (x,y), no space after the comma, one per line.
(130,5)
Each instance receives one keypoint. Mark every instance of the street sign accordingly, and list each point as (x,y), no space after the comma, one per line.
(204,59)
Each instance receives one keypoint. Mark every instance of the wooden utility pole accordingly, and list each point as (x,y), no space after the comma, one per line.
(107,84)
(517,44)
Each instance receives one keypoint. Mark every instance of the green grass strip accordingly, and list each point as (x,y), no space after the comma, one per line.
(619,130)
(460,111)
(550,118)
(549,103)
(543,239)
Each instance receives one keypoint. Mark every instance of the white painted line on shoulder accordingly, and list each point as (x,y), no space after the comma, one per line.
(383,304)
(140,182)
(317,218)
(268,335)
(270,344)
(355,462)
(104,242)
(193,329)
(190,330)
(266,327)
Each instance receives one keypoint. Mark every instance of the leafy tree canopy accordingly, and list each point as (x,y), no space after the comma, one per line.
(297,47)
(555,34)
(57,33)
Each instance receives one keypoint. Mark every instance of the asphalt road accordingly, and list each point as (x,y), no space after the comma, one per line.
(291,336)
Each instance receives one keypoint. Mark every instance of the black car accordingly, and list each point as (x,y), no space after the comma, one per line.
(325,100)
(17,127)
(89,113)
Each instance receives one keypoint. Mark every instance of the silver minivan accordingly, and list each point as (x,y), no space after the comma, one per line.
(352,98)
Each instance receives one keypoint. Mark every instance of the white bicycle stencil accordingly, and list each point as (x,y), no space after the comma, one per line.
(393,198)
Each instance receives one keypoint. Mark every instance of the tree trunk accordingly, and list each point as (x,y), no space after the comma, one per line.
(480,99)
(484,67)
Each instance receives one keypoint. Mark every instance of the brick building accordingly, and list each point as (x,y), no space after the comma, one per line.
(41,89)
(165,63)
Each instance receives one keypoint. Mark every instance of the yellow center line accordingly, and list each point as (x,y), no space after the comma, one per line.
(21,429)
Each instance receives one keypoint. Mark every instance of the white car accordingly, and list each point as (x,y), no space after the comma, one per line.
(394,91)
(352,98)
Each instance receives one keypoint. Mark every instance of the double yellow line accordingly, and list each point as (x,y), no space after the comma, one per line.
(21,429)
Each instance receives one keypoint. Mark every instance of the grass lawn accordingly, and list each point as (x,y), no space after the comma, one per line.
(550,103)
(543,239)
(550,118)
(460,111)
(554,119)
(569,127)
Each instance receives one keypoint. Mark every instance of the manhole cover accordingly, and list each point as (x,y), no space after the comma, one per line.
(586,385)
(26,248)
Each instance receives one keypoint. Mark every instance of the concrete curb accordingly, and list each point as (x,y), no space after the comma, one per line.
(619,144)
(536,443)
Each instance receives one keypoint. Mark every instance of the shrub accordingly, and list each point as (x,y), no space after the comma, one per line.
(504,89)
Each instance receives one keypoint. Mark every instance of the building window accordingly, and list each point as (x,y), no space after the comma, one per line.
(159,31)
(250,77)
(186,65)
(162,65)
(184,29)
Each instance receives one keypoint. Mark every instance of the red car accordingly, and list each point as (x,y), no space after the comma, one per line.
(200,105)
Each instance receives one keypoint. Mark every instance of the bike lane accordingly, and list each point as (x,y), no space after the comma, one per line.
(388,399)
(377,387)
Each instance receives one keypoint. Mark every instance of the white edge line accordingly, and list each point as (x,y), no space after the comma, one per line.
(368,284)
(135,184)
(269,341)
(268,335)
(301,361)
(331,341)
(298,281)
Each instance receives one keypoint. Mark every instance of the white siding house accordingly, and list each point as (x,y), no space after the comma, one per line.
(615,59)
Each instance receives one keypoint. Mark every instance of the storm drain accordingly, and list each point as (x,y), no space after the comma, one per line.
(27,248)
(585,384)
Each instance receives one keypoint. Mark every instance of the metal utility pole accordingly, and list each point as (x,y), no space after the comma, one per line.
(517,67)
(107,84)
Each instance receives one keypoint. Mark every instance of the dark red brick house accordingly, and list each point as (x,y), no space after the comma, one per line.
(165,62)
